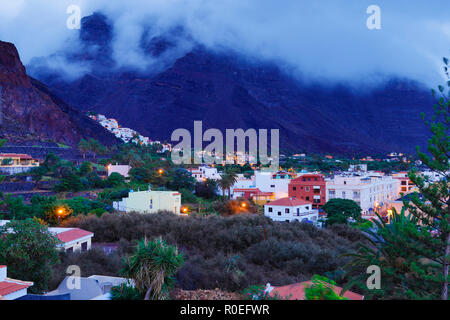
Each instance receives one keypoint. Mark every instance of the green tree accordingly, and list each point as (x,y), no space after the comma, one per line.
(85,168)
(341,210)
(432,208)
(180,179)
(84,147)
(322,289)
(391,248)
(206,189)
(229,178)
(29,251)
(152,267)
(115,179)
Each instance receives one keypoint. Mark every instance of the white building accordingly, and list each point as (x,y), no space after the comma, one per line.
(11,289)
(291,209)
(150,202)
(210,173)
(276,182)
(73,239)
(370,190)
(124,170)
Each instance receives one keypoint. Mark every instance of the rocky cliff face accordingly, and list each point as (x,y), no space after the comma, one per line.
(31,111)
(227,91)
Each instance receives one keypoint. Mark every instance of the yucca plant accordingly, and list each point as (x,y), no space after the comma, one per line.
(152,267)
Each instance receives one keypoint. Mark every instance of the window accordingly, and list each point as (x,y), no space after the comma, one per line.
(279,213)
(343,194)
(307,189)
(69,250)
(84,246)
(270,209)
(151,203)
(403,183)
(294,188)
(272,186)
(286,210)
(306,198)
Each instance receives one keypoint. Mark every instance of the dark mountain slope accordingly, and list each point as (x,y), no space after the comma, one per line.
(31,111)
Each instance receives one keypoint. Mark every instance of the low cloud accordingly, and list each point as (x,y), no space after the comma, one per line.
(326,40)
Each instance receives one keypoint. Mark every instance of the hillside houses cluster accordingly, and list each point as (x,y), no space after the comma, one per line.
(126,134)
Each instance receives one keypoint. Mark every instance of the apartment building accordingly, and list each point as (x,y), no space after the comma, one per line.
(370,190)
(309,187)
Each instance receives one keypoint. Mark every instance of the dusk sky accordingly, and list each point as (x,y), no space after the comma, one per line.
(325,39)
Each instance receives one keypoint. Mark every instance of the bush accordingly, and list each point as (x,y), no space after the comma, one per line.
(230,252)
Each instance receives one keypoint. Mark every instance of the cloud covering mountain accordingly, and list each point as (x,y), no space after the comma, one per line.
(326,40)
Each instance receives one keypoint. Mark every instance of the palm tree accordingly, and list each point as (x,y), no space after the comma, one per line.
(84,147)
(152,267)
(228,180)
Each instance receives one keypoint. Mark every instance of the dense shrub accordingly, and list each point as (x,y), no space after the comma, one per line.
(230,252)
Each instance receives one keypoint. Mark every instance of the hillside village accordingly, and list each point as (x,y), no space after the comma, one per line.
(71,199)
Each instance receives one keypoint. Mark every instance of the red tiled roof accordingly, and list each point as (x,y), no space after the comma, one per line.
(246,190)
(288,202)
(73,234)
(7,287)
(268,194)
(297,291)
(15,155)
(1,267)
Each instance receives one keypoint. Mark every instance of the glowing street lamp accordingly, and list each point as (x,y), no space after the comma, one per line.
(60,213)
(160,171)
(243,205)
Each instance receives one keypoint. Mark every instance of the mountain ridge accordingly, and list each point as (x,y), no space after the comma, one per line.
(31,111)
(226,92)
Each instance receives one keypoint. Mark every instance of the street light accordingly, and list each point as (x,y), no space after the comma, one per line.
(59,213)
(160,171)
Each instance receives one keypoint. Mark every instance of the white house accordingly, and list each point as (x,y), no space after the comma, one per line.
(124,170)
(370,190)
(291,209)
(11,289)
(210,173)
(95,287)
(276,182)
(73,239)
(150,202)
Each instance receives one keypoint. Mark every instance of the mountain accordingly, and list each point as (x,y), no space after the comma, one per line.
(31,111)
(229,91)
